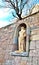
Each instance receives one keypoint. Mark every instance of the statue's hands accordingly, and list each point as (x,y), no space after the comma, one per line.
(24,35)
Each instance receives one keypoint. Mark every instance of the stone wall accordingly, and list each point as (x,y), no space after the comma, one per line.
(7,45)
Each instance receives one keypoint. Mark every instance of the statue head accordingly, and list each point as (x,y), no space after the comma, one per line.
(22,28)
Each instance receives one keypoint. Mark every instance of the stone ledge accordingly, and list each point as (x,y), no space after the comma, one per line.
(22,54)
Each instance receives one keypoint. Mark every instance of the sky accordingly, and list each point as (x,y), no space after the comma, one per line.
(6,15)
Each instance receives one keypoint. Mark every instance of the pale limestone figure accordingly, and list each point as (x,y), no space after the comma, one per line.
(21,40)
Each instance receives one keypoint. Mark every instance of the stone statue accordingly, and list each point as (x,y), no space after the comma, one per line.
(21,40)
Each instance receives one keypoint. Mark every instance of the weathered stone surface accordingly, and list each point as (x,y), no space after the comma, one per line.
(35,37)
(37,44)
(7,46)
(35,8)
(32,45)
(35,31)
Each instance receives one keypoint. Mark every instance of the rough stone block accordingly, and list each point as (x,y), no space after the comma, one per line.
(37,44)
(32,45)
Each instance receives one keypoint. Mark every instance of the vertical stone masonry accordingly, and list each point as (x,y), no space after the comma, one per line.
(7,45)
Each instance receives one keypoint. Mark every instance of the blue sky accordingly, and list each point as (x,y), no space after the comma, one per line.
(6,15)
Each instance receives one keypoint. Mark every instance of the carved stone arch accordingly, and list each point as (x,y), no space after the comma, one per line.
(15,41)
(17,32)
(26,23)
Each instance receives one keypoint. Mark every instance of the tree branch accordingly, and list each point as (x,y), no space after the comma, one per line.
(24,4)
(18,6)
(17,9)
(12,3)
(14,15)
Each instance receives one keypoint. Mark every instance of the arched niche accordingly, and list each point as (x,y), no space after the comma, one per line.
(15,40)
(18,30)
